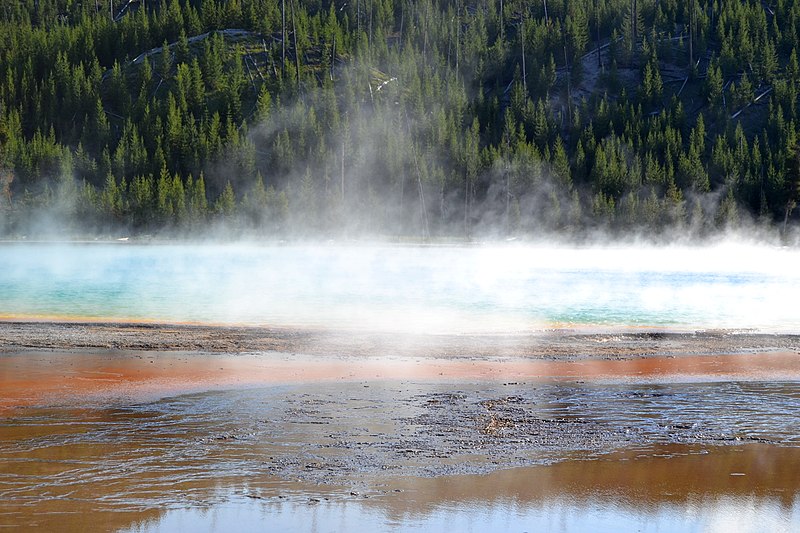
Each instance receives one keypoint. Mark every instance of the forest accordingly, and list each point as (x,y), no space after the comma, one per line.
(398,119)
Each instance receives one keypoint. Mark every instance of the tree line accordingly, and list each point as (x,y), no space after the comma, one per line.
(415,119)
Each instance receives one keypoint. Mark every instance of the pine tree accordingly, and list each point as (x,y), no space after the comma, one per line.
(164,206)
(182,52)
(197,204)
(561,165)
(177,199)
(714,84)
(165,62)
(225,205)
(211,62)
(141,200)
(263,104)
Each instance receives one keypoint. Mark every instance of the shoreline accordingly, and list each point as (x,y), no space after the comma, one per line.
(767,239)
(559,344)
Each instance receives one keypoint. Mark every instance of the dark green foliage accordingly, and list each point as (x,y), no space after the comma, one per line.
(426,118)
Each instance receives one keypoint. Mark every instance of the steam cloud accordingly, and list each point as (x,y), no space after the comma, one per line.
(380,175)
(482,289)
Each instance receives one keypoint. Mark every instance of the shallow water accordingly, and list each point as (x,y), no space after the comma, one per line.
(110,436)
(625,492)
(437,289)
(202,462)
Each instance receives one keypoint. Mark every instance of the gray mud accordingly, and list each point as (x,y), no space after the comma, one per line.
(331,432)
(562,344)
(472,429)
(124,459)
(343,433)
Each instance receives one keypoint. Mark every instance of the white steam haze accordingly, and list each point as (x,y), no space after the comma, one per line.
(371,162)
(478,289)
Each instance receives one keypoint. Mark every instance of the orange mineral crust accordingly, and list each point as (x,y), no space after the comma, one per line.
(36,377)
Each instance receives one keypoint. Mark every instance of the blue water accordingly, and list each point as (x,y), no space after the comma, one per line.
(432,289)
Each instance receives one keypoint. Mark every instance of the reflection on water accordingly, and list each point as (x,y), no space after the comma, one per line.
(752,488)
(202,462)
(405,288)
(733,489)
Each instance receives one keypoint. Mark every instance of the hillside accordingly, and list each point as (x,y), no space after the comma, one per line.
(423,120)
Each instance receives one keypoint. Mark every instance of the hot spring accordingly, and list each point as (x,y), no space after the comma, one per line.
(363,436)
(422,289)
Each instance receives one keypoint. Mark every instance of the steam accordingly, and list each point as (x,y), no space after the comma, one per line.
(482,289)
(382,174)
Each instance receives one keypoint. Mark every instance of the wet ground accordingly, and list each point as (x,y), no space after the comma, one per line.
(563,343)
(175,440)
(665,489)
(377,453)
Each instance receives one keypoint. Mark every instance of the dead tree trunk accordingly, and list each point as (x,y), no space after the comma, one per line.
(568,75)
(402,22)
(691,33)
(790,205)
(420,189)
(501,20)
(296,50)
(524,71)
(283,38)
(466,207)
(333,55)
(458,35)
(597,29)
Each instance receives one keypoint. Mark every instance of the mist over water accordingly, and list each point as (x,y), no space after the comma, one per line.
(477,289)
(198,461)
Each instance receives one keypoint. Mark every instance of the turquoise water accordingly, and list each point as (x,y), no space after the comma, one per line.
(430,289)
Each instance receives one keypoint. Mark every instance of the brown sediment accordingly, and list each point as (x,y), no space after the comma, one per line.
(683,476)
(676,473)
(371,409)
(679,475)
(30,377)
(45,361)
(81,432)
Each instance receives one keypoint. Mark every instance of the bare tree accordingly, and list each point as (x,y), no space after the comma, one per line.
(283,37)
(597,29)
(522,41)
(692,23)
(296,50)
